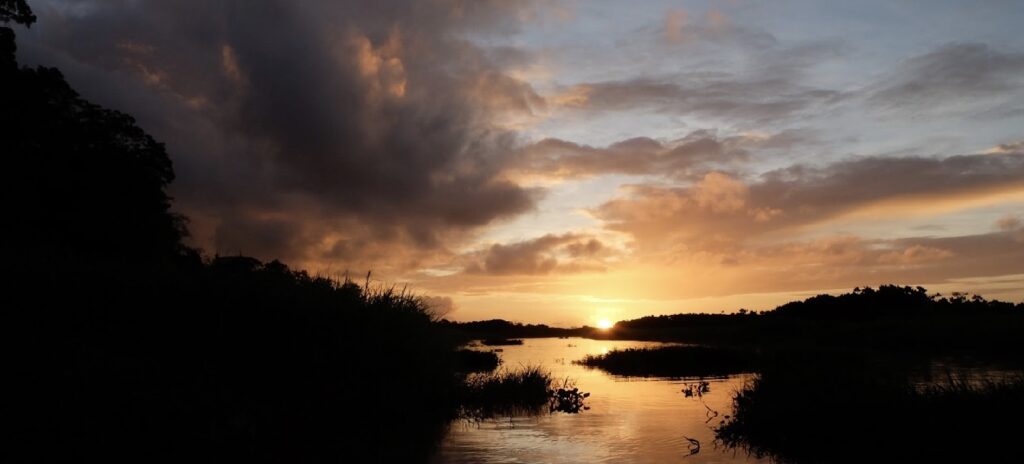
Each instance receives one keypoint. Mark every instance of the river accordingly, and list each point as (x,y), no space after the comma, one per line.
(630,419)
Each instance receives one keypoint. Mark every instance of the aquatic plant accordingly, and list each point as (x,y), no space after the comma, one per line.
(697,389)
(567,398)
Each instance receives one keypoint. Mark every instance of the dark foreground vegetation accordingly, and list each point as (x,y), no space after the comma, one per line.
(672,361)
(527,390)
(124,344)
(796,414)
(848,378)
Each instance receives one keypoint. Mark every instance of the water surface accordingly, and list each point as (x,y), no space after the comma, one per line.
(630,419)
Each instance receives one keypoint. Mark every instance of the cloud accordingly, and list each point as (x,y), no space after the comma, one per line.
(721,211)
(915,254)
(846,261)
(1009,147)
(440,306)
(1012,225)
(1009,223)
(287,120)
(689,157)
(952,76)
(543,255)
(718,95)
(734,74)
(680,28)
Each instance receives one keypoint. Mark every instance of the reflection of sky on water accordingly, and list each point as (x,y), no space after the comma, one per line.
(630,419)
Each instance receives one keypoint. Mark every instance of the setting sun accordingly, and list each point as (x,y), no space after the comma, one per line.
(605,324)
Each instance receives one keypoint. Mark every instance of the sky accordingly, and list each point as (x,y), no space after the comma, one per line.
(565,162)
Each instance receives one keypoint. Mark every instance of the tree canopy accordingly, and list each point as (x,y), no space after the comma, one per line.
(16,11)
(83,184)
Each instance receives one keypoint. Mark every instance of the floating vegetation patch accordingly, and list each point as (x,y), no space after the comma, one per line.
(672,361)
(501,341)
(477,361)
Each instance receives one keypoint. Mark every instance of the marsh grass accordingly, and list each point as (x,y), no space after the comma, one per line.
(672,361)
(477,361)
(508,392)
(858,415)
(524,391)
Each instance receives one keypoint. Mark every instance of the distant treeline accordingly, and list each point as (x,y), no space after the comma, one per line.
(502,329)
(890,316)
(887,318)
(861,304)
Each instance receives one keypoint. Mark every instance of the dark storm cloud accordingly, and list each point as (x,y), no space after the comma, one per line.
(952,74)
(280,114)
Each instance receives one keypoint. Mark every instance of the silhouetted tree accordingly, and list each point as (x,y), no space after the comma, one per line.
(84,185)
(17,11)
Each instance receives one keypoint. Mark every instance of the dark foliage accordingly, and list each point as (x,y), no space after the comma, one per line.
(122,344)
(502,329)
(851,411)
(891,319)
(840,377)
(568,399)
(672,361)
(477,361)
(234,361)
(16,11)
(84,187)
(523,391)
